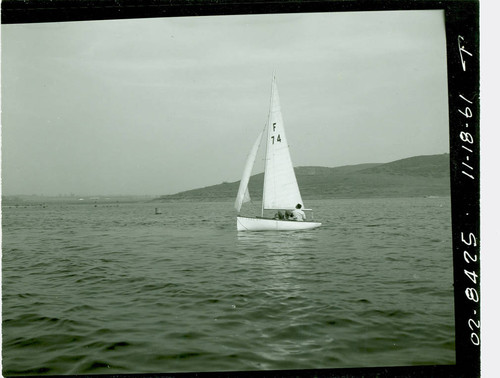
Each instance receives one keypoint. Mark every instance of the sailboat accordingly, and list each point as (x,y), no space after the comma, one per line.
(281,191)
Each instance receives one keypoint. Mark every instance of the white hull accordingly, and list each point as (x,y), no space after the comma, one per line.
(264,224)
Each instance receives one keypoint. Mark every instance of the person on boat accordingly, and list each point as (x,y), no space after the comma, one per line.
(288,215)
(298,214)
(279,215)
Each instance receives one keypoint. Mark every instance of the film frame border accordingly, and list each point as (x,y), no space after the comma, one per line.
(462,45)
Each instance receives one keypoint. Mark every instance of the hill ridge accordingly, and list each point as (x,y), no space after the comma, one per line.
(423,175)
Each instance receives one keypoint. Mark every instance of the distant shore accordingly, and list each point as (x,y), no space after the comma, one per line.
(419,176)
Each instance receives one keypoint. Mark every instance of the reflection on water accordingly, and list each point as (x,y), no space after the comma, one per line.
(276,241)
(278,256)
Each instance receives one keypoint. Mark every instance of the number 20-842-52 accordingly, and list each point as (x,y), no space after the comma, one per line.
(471,293)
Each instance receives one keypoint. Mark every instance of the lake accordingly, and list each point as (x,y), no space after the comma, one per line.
(93,288)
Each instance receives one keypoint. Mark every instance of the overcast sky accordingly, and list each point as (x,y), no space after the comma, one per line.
(157,106)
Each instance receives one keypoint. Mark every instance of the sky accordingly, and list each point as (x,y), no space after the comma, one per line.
(157,106)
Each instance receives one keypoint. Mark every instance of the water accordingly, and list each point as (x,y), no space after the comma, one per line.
(118,289)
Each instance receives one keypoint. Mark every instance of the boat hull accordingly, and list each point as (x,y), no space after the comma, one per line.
(265,224)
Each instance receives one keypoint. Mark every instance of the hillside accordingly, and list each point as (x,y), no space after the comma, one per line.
(416,176)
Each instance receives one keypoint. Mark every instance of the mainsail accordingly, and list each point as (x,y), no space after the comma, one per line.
(243,194)
(281,190)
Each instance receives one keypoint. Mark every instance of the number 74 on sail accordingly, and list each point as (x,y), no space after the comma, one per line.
(281,192)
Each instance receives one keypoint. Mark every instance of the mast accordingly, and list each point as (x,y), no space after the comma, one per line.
(267,141)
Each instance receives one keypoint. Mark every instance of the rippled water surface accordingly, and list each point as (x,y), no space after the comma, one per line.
(118,289)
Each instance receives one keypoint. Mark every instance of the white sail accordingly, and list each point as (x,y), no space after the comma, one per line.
(281,190)
(243,194)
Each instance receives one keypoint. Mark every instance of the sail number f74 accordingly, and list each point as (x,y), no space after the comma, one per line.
(278,138)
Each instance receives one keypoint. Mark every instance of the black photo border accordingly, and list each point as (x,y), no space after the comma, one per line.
(462,41)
